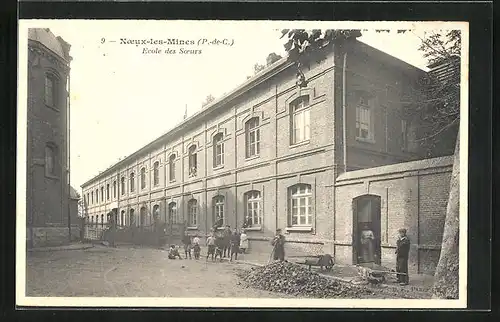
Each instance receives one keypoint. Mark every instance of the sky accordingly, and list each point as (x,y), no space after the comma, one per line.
(122,99)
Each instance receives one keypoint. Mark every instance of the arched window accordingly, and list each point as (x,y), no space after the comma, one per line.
(51,85)
(218,210)
(192,213)
(300,127)
(252,133)
(172,212)
(51,164)
(123,185)
(132,182)
(253,209)
(171,163)
(114,189)
(88,198)
(143,217)
(156,173)
(96,195)
(102,220)
(364,123)
(143,178)
(107,191)
(91,220)
(218,150)
(92,195)
(156,213)
(132,217)
(102,194)
(301,205)
(193,162)
(122,218)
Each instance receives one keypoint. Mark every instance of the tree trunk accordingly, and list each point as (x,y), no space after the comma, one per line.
(446,279)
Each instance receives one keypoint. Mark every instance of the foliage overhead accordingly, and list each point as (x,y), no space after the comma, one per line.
(258,68)
(302,43)
(272,58)
(208,100)
(438,105)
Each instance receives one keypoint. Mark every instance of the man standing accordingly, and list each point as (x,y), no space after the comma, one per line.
(226,241)
(279,246)
(186,240)
(402,252)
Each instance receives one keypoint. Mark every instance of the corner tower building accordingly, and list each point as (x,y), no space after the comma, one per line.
(47,202)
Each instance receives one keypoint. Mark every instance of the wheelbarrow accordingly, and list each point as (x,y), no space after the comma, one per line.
(324,261)
(376,274)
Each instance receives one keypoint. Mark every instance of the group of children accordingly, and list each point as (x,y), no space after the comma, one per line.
(220,243)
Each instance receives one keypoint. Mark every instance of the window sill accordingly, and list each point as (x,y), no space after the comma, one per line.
(253,228)
(299,229)
(295,145)
(253,157)
(371,141)
(218,167)
(53,108)
(171,181)
(221,228)
(192,228)
(50,176)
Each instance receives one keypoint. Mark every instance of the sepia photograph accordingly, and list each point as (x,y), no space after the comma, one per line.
(242,164)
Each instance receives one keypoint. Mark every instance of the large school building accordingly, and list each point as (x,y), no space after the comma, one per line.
(320,162)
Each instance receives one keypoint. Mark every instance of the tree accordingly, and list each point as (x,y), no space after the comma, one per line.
(257,68)
(444,102)
(272,58)
(208,100)
(440,101)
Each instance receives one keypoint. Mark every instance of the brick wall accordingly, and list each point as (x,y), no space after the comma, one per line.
(413,195)
(47,195)
(52,236)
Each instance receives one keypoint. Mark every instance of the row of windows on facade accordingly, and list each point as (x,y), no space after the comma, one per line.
(300,210)
(300,125)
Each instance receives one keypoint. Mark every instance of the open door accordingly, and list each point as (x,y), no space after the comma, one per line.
(366,230)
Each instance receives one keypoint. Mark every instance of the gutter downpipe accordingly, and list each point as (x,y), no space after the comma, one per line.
(344,112)
(69,156)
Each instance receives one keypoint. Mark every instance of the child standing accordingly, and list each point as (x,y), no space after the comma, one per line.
(186,240)
(196,247)
(211,246)
(220,245)
(243,241)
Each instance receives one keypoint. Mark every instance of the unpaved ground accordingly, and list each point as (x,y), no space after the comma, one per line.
(142,272)
(131,273)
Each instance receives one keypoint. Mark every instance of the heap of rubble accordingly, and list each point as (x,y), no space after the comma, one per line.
(296,280)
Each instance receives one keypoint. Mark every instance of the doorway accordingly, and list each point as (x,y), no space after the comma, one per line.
(366,230)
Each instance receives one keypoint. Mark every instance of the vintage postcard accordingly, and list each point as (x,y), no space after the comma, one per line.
(261,164)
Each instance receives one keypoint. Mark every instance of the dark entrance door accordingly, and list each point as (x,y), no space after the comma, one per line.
(366,230)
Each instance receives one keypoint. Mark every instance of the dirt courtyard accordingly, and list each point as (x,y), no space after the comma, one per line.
(144,272)
(131,272)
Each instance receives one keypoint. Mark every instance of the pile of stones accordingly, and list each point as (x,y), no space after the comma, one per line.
(297,280)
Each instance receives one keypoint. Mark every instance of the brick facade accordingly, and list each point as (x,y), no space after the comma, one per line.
(47,190)
(280,164)
(413,195)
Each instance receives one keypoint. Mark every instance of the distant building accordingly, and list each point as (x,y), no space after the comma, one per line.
(48,190)
(278,156)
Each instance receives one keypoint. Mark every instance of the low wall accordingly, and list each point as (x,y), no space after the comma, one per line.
(413,195)
(51,236)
